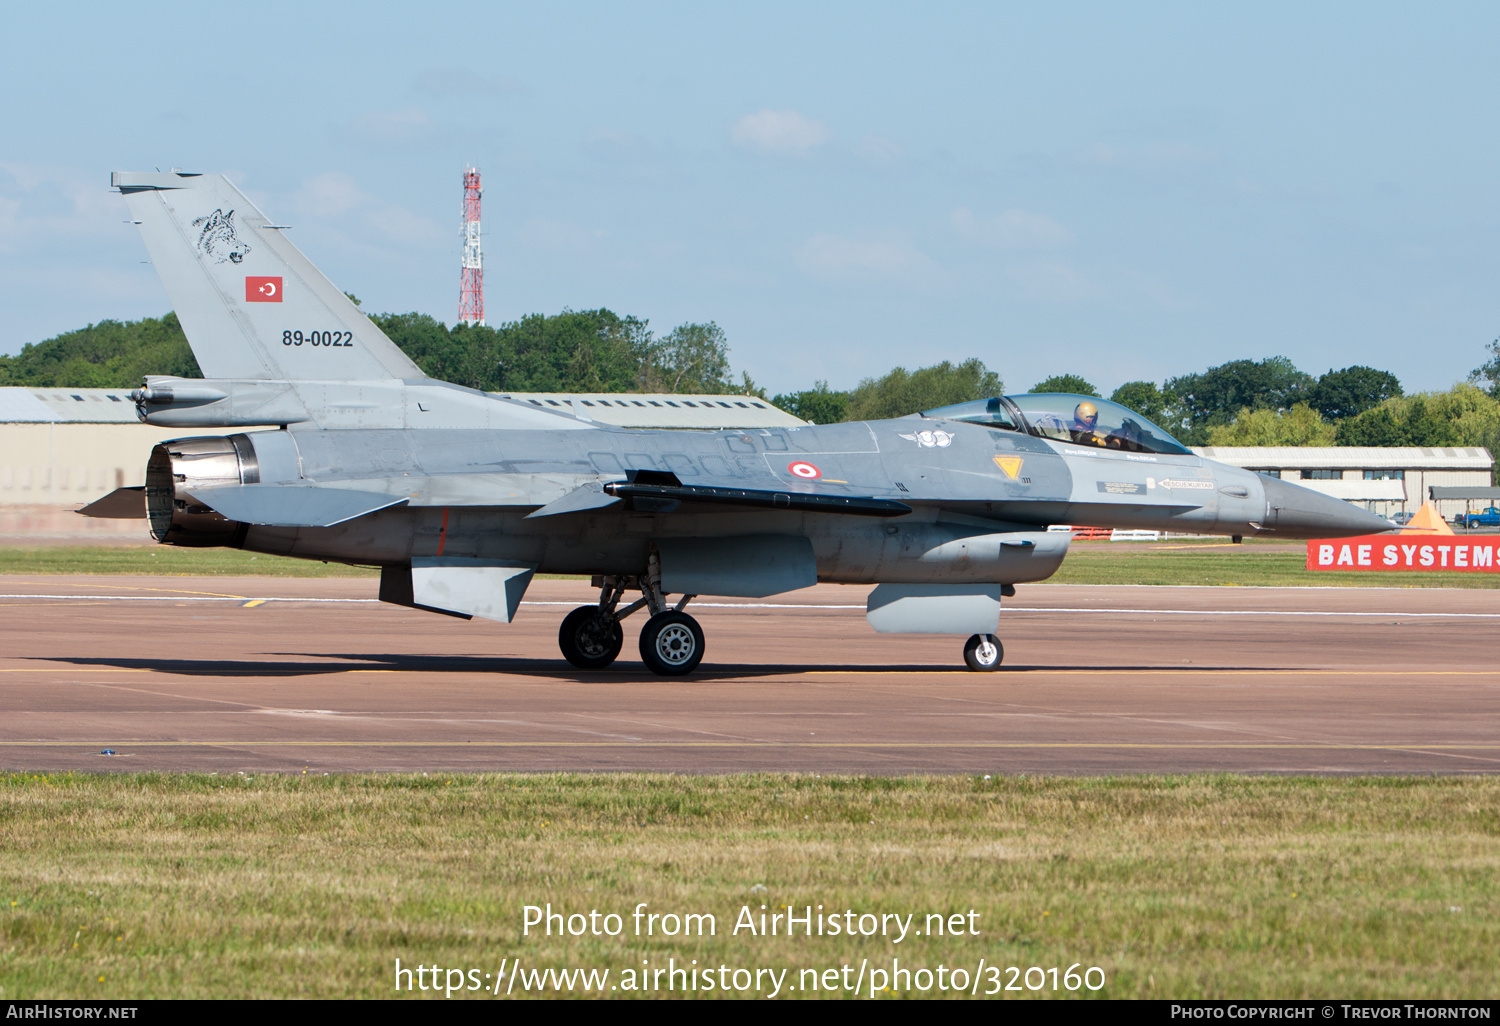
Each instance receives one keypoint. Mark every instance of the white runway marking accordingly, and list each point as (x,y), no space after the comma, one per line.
(245,599)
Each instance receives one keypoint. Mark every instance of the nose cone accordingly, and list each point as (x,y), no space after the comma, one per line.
(1296,512)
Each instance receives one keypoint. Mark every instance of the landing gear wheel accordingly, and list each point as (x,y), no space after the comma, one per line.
(671,644)
(589,639)
(983,652)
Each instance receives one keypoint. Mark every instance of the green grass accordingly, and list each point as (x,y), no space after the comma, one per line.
(165,559)
(1210,563)
(1220,565)
(1202,886)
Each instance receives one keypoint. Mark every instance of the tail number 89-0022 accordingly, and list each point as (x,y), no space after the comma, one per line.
(318,338)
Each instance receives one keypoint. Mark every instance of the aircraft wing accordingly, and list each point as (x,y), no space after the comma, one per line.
(652,491)
(275,505)
(663,498)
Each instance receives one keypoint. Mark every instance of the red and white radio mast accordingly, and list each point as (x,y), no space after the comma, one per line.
(471,268)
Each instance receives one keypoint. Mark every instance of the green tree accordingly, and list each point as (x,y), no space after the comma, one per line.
(1463,415)
(1151,402)
(819,404)
(1218,394)
(901,392)
(1489,371)
(692,358)
(1301,425)
(1377,427)
(1070,383)
(1352,391)
(574,351)
(109,354)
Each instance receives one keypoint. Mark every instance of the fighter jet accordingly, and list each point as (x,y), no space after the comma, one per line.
(460,496)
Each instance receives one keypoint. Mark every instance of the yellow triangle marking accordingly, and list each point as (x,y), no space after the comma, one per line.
(1010,464)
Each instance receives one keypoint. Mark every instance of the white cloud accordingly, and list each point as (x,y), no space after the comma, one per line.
(393,127)
(1012,229)
(837,258)
(334,195)
(559,236)
(400,225)
(1153,157)
(1055,282)
(47,203)
(614,145)
(778,131)
(459,82)
(330,194)
(877,149)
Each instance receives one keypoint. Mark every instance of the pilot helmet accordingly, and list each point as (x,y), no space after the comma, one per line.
(1086,413)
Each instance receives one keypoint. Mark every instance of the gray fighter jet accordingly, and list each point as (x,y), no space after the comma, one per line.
(460,496)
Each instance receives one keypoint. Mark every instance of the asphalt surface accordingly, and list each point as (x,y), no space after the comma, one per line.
(264,674)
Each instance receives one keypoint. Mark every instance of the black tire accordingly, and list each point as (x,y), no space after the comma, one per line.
(590,640)
(983,653)
(671,644)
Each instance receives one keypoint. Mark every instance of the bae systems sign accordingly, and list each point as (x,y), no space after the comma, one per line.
(1384,552)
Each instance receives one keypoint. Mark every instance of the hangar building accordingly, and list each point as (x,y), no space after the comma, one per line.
(1383,480)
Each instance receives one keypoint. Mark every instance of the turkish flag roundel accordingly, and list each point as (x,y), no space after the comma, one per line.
(262,290)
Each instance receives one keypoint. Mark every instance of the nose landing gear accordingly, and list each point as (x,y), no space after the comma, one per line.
(983,653)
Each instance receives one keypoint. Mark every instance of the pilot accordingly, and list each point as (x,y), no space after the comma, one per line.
(1085,427)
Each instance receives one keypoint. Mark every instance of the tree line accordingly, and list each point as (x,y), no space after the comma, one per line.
(1242,402)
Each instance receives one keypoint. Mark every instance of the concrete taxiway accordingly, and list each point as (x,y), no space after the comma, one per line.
(265,674)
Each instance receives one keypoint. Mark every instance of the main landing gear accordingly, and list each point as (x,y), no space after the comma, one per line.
(671,641)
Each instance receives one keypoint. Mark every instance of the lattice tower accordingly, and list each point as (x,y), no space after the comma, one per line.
(471,267)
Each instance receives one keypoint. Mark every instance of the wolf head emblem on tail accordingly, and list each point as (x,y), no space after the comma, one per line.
(218,239)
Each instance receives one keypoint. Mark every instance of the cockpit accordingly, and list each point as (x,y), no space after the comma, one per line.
(1078,419)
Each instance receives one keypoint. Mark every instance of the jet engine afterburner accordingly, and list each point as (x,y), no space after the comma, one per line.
(181,466)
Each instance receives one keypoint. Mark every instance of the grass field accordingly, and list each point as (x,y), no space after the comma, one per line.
(1227,565)
(203,886)
(1214,563)
(165,559)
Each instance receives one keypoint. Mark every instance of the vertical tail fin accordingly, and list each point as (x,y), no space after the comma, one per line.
(251,304)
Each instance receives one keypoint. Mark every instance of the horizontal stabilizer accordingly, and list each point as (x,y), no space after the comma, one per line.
(587,497)
(120,504)
(663,498)
(275,505)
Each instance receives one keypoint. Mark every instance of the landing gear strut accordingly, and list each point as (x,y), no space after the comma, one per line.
(671,641)
(983,652)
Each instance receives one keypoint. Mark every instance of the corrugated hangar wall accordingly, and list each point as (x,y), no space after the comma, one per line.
(71,464)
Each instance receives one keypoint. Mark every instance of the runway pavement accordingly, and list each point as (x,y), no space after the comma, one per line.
(286,675)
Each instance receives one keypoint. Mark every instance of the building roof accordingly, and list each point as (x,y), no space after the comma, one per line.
(1464,492)
(655,410)
(631,410)
(66,406)
(1349,457)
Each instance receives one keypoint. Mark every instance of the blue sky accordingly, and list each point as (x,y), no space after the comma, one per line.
(1117,191)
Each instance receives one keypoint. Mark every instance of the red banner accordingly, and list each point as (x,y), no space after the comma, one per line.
(1424,553)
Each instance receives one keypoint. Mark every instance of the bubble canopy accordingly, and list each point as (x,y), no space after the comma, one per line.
(1077,419)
